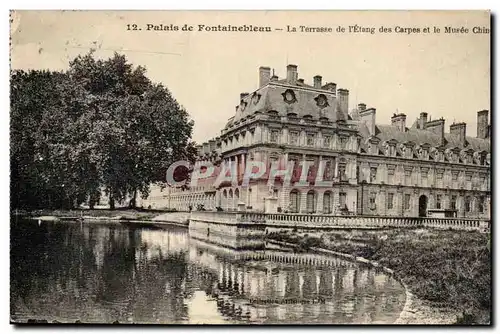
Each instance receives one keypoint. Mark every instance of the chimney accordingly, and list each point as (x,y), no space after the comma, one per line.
(274,78)
(422,120)
(317,81)
(459,130)
(399,120)
(368,117)
(291,73)
(301,81)
(331,86)
(361,107)
(243,95)
(436,126)
(343,101)
(264,75)
(482,124)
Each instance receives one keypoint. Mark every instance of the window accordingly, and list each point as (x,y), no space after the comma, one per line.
(408,177)
(310,139)
(467,204)
(390,176)
(407,201)
(311,201)
(297,169)
(480,204)
(342,200)
(439,179)
(481,181)
(326,141)
(343,142)
(390,201)
(425,174)
(438,201)
(274,136)
(327,206)
(249,201)
(453,202)
(327,174)
(454,175)
(342,174)
(468,177)
(294,201)
(373,201)
(392,150)
(373,174)
(294,137)
(312,168)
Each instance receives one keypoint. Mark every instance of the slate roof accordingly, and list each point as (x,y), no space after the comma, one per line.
(419,137)
(271,99)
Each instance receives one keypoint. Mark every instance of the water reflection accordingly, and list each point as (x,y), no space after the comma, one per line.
(101,273)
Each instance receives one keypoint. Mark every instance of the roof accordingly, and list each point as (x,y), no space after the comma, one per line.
(419,137)
(270,98)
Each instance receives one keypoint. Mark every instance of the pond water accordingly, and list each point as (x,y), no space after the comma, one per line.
(97,273)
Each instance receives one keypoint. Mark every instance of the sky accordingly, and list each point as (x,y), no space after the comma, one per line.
(445,75)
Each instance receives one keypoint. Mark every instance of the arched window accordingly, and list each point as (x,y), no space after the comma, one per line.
(480,204)
(294,201)
(311,201)
(224,199)
(230,200)
(467,204)
(327,202)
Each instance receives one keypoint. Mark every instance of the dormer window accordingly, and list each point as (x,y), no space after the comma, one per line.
(308,118)
(289,96)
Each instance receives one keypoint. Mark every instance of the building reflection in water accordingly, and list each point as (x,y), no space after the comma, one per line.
(98,273)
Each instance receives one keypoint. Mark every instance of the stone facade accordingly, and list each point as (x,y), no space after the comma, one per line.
(388,170)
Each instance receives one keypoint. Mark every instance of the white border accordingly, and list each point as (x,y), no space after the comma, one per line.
(187,4)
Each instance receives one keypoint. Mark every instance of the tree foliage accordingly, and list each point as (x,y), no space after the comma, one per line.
(101,127)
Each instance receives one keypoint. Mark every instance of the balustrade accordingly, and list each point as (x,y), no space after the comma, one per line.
(326,221)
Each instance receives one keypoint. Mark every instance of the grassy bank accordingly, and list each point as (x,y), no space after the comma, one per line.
(447,268)
(125,214)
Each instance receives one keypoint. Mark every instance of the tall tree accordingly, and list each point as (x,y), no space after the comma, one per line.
(102,125)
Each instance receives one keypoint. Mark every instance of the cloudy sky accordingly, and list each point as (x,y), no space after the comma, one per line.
(446,75)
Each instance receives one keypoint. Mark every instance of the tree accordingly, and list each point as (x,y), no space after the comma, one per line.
(102,125)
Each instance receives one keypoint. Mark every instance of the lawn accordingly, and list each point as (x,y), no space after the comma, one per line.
(447,268)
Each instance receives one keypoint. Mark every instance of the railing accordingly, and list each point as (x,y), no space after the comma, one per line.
(330,221)
(304,220)
(228,217)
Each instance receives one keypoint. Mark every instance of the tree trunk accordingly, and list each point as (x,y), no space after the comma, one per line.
(133,200)
(111,202)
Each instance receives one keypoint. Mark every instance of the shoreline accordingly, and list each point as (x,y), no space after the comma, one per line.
(108,220)
(121,216)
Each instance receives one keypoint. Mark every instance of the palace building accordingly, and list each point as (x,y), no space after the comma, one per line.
(403,168)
